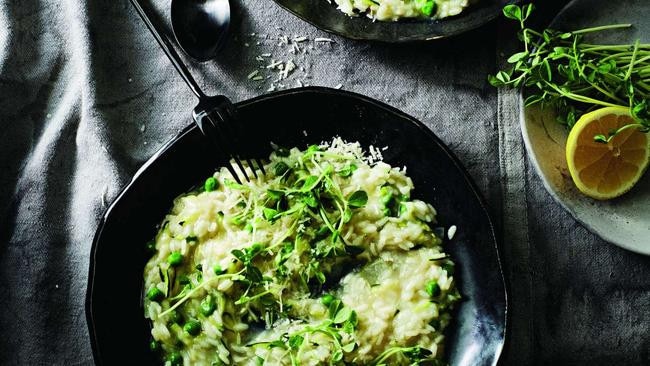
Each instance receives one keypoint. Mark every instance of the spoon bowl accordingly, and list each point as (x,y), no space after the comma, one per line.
(200,26)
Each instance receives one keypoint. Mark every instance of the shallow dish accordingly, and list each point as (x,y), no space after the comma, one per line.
(118,251)
(624,221)
(327,17)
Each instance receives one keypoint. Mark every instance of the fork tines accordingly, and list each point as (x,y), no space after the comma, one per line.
(223,129)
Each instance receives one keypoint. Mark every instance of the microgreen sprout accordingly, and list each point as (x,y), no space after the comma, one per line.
(562,70)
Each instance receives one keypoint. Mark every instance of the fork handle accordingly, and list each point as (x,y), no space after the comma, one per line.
(165,44)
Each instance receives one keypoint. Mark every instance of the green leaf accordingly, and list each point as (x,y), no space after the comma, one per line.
(277,344)
(600,138)
(254,250)
(270,214)
(519,56)
(503,76)
(512,12)
(348,170)
(528,9)
(273,194)
(337,356)
(309,183)
(349,347)
(310,199)
(254,274)
(358,199)
(241,256)
(280,168)
(342,315)
(334,308)
(313,148)
(234,185)
(295,341)
(347,215)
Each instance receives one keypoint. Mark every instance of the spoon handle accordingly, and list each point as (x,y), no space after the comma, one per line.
(171,53)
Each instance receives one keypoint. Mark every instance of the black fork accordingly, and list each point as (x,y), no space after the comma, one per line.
(216,116)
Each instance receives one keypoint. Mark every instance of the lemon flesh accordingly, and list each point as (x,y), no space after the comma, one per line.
(606,170)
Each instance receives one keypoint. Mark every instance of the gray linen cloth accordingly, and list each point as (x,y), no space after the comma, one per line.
(86,97)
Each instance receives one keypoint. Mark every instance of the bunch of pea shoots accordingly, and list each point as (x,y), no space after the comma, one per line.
(561,70)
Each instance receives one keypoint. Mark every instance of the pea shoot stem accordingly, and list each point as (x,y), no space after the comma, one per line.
(197,288)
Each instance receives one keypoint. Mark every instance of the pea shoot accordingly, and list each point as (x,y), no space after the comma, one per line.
(307,198)
(562,70)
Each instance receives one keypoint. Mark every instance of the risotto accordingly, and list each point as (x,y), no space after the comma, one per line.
(324,260)
(397,9)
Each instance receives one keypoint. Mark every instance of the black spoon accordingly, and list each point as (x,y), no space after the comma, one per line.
(215,115)
(200,26)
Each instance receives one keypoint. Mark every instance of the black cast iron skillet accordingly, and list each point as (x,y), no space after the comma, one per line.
(327,17)
(118,330)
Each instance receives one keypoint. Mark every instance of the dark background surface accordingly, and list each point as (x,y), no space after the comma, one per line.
(86,97)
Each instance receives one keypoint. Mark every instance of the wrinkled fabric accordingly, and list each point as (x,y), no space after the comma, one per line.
(86,97)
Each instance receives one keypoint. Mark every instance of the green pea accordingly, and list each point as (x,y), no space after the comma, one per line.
(192,328)
(217,270)
(433,289)
(211,184)
(154,294)
(175,358)
(175,259)
(327,299)
(154,346)
(428,8)
(208,306)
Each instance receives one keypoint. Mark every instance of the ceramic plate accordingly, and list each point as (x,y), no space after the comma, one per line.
(118,330)
(624,221)
(327,17)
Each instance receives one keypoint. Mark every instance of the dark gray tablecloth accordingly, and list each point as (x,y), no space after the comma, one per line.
(86,97)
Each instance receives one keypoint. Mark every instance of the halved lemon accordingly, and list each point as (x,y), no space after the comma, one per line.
(606,170)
